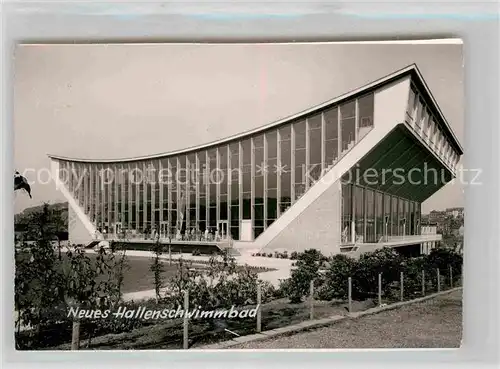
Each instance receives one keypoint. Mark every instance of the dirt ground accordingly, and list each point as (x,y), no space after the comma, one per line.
(435,323)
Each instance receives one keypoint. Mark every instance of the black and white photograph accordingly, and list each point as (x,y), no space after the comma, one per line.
(239,196)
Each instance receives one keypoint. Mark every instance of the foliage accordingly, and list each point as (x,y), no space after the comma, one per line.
(334,286)
(222,285)
(307,269)
(332,282)
(47,286)
(365,277)
(157,267)
(412,281)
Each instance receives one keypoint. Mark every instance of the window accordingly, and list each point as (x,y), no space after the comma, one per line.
(365,108)
(246,168)
(234,152)
(314,167)
(418,106)
(370,215)
(331,136)
(411,104)
(359,214)
(425,123)
(300,158)
(432,131)
(442,145)
(259,169)
(379,215)
(284,167)
(346,213)
(348,125)
(387,215)
(401,215)
(439,140)
(394,216)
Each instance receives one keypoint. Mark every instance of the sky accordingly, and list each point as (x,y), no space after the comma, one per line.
(102,101)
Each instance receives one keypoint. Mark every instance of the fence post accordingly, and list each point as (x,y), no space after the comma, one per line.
(451,277)
(379,289)
(438,280)
(311,300)
(259,316)
(75,337)
(169,255)
(402,286)
(423,282)
(185,344)
(349,293)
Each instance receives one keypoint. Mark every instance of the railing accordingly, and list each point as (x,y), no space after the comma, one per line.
(422,237)
(129,236)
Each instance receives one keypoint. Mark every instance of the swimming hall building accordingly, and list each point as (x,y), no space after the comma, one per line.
(348,175)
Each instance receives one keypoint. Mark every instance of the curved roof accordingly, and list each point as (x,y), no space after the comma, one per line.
(411,70)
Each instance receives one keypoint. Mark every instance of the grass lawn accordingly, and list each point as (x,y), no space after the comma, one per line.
(137,276)
(167,334)
(435,323)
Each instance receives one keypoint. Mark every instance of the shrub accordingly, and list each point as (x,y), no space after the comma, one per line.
(196,252)
(307,269)
(270,255)
(412,269)
(294,255)
(268,292)
(365,277)
(443,258)
(335,281)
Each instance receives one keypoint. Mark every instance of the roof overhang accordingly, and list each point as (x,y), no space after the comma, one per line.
(411,70)
(401,165)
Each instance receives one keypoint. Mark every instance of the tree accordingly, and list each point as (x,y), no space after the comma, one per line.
(307,270)
(37,273)
(157,267)
(46,286)
(21,183)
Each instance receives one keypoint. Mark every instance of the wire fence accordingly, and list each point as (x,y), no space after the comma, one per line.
(312,308)
(187,332)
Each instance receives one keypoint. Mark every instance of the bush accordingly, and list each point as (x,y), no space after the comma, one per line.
(335,281)
(443,259)
(412,269)
(333,284)
(307,269)
(196,252)
(365,276)
(294,255)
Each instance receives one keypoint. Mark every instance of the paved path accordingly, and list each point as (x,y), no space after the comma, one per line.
(282,268)
(435,323)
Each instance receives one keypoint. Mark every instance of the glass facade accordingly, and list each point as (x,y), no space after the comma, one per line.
(243,185)
(207,193)
(427,127)
(376,216)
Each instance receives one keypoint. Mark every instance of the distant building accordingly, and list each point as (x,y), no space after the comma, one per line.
(455,212)
(436,217)
(429,229)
